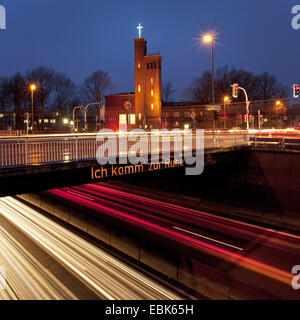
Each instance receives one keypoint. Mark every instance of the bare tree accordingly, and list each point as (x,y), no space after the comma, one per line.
(95,86)
(259,87)
(200,89)
(269,88)
(4,95)
(65,95)
(167,91)
(18,97)
(44,78)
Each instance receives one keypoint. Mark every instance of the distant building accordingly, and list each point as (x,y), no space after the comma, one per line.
(294,115)
(141,109)
(145,108)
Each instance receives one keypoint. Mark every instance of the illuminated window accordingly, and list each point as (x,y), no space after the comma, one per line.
(1,115)
(46,120)
(152,106)
(152,93)
(186,126)
(152,81)
(139,65)
(123,119)
(132,119)
(139,88)
(140,116)
(53,121)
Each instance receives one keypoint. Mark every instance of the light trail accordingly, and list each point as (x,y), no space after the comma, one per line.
(242,246)
(208,238)
(107,277)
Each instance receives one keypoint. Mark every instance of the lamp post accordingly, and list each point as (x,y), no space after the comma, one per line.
(210,39)
(32,88)
(278,106)
(74,121)
(226,100)
(85,113)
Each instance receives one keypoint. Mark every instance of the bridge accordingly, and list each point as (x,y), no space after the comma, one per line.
(41,162)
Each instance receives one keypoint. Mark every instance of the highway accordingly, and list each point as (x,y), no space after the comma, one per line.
(42,260)
(235,245)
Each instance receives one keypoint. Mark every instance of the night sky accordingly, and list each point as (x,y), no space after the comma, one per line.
(81,36)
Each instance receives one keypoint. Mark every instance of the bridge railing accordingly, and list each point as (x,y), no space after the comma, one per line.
(40,150)
(279,141)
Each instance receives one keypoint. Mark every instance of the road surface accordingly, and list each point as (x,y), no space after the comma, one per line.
(247,252)
(42,260)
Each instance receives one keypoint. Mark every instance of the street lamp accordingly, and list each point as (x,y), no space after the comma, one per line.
(226,100)
(278,106)
(75,127)
(210,39)
(32,88)
(85,113)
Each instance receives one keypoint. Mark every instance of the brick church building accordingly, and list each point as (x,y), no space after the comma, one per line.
(141,109)
(145,109)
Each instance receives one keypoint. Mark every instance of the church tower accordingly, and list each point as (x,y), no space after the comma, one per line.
(148,94)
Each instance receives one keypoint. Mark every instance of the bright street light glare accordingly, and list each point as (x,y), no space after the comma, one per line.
(208,38)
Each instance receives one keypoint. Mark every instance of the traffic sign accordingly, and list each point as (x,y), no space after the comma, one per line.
(193,115)
(213,108)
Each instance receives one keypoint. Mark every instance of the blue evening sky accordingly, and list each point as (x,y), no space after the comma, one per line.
(80,36)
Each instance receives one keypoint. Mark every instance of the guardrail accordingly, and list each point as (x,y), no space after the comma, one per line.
(39,150)
(282,142)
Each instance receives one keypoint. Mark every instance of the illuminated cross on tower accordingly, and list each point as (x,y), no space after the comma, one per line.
(140,30)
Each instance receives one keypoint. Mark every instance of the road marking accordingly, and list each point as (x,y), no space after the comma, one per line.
(207,238)
(79,195)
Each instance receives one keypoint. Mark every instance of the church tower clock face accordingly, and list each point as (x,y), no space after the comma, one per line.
(127,105)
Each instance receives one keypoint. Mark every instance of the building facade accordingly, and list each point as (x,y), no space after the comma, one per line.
(141,109)
(145,109)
